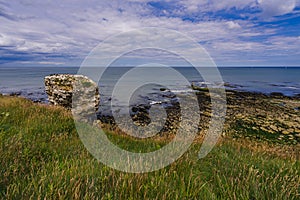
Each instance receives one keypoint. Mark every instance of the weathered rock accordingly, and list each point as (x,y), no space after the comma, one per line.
(60,90)
(274,128)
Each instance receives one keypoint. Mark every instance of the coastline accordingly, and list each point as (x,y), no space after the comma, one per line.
(274,118)
(41,96)
(29,81)
(41,149)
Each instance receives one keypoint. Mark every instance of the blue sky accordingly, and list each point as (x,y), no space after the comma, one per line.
(234,32)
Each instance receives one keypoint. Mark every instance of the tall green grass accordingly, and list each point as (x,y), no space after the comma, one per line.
(41,157)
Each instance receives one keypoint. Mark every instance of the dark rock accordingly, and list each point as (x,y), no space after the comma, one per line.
(276,94)
(169,95)
(134,109)
(15,94)
(297,96)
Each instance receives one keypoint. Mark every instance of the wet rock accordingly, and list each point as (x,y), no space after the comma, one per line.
(253,115)
(276,94)
(297,96)
(15,94)
(140,115)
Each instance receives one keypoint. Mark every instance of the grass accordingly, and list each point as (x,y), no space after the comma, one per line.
(42,156)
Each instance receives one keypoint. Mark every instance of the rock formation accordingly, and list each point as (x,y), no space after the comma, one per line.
(76,92)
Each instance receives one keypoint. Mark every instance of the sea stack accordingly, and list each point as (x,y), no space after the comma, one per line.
(62,89)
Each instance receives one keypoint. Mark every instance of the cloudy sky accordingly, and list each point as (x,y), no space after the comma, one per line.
(234,32)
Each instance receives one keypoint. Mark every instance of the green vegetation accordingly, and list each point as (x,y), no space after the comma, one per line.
(86,84)
(41,157)
(252,130)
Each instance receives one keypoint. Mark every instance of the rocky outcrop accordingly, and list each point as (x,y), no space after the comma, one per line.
(62,87)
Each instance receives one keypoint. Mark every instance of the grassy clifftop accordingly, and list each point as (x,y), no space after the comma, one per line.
(41,156)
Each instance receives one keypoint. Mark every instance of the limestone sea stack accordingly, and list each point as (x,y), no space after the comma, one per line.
(62,89)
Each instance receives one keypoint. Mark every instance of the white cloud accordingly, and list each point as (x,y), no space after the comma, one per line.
(269,8)
(51,63)
(75,27)
(276,7)
(7,41)
(285,43)
(233,25)
(239,4)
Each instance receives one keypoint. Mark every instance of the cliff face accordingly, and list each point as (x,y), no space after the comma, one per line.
(75,92)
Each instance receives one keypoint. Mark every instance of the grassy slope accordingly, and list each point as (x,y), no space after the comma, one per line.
(42,156)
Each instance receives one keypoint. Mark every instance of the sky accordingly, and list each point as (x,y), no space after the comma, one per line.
(233,32)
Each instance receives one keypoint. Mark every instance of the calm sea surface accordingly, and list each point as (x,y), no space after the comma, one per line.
(29,81)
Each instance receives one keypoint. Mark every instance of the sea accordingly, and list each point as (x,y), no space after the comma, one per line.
(29,82)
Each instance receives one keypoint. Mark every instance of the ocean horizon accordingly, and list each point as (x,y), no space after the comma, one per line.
(29,81)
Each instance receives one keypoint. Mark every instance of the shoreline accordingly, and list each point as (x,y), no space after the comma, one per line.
(250,115)
(30,95)
(274,118)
